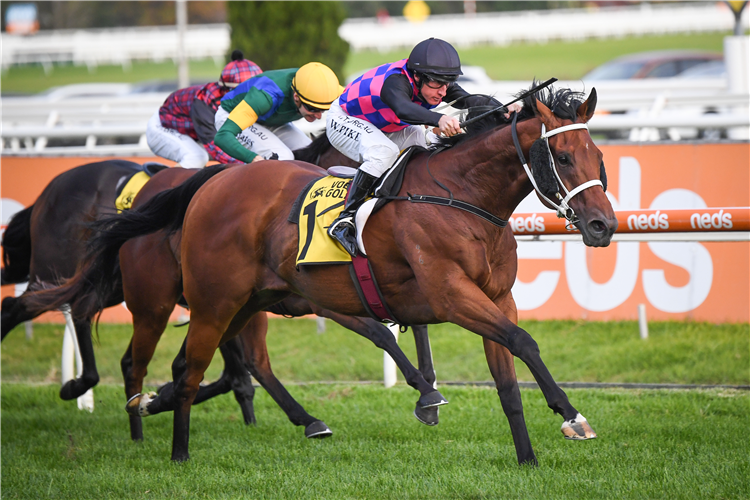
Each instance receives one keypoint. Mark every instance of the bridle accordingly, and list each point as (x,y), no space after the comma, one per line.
(563,209)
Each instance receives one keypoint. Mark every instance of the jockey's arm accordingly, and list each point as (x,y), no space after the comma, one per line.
(396,94)
(245,114)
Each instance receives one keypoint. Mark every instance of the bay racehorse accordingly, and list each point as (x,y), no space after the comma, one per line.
(152,285)
(433,263)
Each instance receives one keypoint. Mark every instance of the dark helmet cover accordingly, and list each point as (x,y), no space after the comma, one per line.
(435,58)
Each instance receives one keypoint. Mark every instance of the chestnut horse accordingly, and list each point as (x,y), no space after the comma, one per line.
(433,263)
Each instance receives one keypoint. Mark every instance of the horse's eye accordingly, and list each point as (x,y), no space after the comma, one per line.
(563,159)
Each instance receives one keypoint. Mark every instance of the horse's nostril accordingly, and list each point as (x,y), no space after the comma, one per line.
(597,226)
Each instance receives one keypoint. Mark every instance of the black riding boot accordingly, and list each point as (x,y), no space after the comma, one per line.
(342,229)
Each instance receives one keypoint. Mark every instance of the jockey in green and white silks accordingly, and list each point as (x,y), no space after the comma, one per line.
(254,120)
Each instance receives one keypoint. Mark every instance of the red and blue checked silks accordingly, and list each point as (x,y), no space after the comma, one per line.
(217,154)
(361,98)
(211,94)
(175,114)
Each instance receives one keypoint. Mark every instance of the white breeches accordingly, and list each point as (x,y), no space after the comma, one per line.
(364,142)
(265,141)
(172,145)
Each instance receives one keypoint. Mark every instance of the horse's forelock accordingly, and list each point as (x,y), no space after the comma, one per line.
(562,102)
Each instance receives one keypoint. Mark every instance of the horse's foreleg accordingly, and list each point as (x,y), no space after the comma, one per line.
(379,335)
(89,376)
(253,341)
(424,354)
(500,362)
(466,305)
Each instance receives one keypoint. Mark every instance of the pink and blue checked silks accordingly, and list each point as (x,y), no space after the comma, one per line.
(361,98)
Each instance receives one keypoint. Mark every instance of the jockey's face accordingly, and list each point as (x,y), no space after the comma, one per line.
(433,92)
(308,112)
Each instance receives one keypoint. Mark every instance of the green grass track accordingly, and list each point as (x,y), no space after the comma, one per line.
(652,444)
(574,351)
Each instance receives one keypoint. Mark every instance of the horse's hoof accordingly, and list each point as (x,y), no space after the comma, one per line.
(428,416)
(431,399)
(317,429)
(578,429)
(69,391)
(138,404)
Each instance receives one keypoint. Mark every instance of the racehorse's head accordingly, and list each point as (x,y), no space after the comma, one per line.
(568,168)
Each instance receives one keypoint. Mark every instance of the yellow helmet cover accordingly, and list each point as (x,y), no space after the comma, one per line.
(317,85)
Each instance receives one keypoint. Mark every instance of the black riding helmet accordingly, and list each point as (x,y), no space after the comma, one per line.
(436,59)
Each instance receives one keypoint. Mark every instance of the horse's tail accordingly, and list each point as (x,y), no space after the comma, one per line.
(98,276)
(17,248)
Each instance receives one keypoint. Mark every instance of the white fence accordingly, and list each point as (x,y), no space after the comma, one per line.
(542,26)
(115,45)
(122,45)
(116,125)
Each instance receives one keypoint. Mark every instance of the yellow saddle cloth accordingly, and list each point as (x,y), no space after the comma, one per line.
(321,205)
(127,195)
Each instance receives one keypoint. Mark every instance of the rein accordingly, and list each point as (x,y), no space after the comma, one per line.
(448,202)
(563,209)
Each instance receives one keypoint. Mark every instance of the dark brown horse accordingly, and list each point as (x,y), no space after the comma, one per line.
(44,243)
(433,263)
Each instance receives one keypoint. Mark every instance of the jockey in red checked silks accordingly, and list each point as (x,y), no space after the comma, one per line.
(254,121)
(384,111)
(183,130)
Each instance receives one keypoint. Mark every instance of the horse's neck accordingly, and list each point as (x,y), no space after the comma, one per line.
(486,171)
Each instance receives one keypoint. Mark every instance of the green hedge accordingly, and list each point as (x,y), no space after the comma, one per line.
(279,35)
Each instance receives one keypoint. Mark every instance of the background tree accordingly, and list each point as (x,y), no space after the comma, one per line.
(279,35)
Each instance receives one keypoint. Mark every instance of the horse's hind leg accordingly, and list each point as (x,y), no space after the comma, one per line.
(253,340)
(149,324)
(89,376)
(13,314)
(126,364)
(235,378)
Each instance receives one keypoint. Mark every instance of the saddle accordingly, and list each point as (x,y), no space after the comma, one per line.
(318,205)
(129,185)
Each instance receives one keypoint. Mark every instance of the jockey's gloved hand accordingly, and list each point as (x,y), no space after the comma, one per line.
(273,156)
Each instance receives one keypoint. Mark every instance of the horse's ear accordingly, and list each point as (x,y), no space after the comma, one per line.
(586,110)
(544,111)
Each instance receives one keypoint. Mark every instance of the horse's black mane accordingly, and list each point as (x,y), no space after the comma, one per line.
(563,102)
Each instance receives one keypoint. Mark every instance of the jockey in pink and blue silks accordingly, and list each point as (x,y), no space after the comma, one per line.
(384,111)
